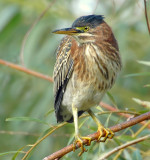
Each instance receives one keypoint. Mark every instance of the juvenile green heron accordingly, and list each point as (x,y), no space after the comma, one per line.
(87,63)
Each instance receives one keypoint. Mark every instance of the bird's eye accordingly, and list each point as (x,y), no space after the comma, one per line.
(86,28)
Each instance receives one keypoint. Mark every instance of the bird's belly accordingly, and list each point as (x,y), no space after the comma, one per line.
(82,95)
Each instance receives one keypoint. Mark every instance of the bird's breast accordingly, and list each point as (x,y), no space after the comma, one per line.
(93,68)
(94,73)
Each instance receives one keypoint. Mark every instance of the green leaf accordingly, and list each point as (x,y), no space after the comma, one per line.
(6,15)
(26,119)
(10,152)
(127,155)
(147,85)
(126,138)
(112,99)
(146,143)
(107,120)
(137,74)
(136,155)
(49,112)
(17,152)
(143,103)
(144,62)
(144,111)
(70,139)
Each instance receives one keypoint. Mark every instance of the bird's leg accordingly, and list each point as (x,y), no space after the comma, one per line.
(108,133)
(78,138)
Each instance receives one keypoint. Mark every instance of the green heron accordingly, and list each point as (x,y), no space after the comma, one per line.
(87,64)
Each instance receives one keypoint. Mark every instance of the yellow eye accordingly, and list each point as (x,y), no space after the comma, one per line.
(83,29)
(86,28)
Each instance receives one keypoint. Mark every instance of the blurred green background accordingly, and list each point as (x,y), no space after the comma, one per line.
(23,95)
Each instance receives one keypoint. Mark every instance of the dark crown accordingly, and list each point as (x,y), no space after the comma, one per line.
(90,20)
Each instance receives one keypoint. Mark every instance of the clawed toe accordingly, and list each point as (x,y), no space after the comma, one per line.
(80,140)
(108,134)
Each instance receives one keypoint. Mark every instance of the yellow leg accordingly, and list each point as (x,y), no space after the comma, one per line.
(78,138)
(108,133)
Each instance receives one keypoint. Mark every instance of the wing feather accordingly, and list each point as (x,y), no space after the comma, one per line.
(62,73)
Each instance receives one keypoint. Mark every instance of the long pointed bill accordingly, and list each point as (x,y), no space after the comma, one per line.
(69,31)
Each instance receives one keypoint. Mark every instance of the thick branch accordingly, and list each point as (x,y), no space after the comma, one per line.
(28,71)
(95,136)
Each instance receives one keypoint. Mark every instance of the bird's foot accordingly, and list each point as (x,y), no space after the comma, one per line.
(80,140)
(108,134)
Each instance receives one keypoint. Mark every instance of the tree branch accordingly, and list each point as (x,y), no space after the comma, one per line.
(30,29)
(146,16)
(28,71)
(110,108)
(50,79)
(124,146)
(94,136)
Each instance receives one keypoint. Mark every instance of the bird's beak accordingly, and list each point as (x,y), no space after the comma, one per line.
(68,31)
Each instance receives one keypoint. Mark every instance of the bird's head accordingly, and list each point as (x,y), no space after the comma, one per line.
(86,28)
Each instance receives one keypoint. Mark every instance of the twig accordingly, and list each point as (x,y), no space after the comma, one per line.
(146,16)
(110,112)
(123,146)
(110,108)
(118,155)
(97,2)
(28,71)
(19,133)
(141,129)
(95,136)
(40,140)
(29,31)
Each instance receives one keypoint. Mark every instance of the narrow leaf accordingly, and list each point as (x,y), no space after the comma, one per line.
(144,62)
(112,99)
(10,152)
(137,74)
(136,155)
(126,138)
(17,152)
(26,119)
(143,103)
(49,112)
(147,85)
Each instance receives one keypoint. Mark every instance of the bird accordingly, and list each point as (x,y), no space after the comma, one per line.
(87,64)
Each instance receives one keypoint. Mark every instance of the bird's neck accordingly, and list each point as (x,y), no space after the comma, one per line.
(83,39)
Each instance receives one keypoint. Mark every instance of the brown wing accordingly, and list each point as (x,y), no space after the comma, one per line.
(62,72)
